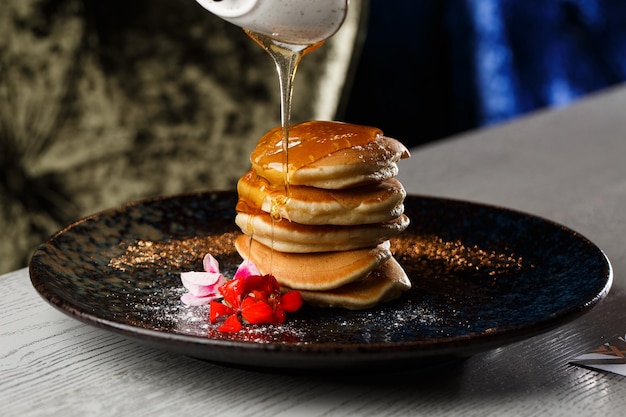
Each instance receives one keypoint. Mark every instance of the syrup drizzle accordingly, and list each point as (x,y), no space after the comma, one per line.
(286,57)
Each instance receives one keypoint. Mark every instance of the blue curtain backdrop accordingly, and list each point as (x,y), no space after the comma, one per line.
(432,68)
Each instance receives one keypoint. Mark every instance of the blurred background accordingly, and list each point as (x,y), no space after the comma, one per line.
(433,68)
(106,102)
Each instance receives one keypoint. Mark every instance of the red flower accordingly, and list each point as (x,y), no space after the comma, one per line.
(256,299)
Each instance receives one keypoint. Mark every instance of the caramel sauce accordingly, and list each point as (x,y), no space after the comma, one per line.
(310,142)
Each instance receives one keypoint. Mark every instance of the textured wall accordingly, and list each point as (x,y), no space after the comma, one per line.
(105,102)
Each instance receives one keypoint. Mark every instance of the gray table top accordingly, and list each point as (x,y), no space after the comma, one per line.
(564,165)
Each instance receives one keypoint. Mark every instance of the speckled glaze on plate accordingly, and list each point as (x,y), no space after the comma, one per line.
(482,277)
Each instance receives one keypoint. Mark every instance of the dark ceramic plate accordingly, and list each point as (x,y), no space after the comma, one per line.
(482,277)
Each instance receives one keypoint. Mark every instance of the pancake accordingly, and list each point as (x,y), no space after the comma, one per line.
(329,155)
(313,271)
(383,284)
(374,203)
(323,226)
(286,236)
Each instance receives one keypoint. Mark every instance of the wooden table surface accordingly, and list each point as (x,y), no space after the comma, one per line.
(565,165)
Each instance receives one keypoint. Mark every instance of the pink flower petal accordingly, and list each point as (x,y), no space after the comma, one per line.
(246,269)
(201,284)
(204,286)
(191,300)
(210,264)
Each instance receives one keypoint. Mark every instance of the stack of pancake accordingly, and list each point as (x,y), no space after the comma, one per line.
(322,226)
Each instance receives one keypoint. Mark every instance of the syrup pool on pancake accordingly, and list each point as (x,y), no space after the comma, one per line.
(329,155)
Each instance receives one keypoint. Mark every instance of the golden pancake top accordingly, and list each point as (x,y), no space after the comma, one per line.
(330,155)
(311,141)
